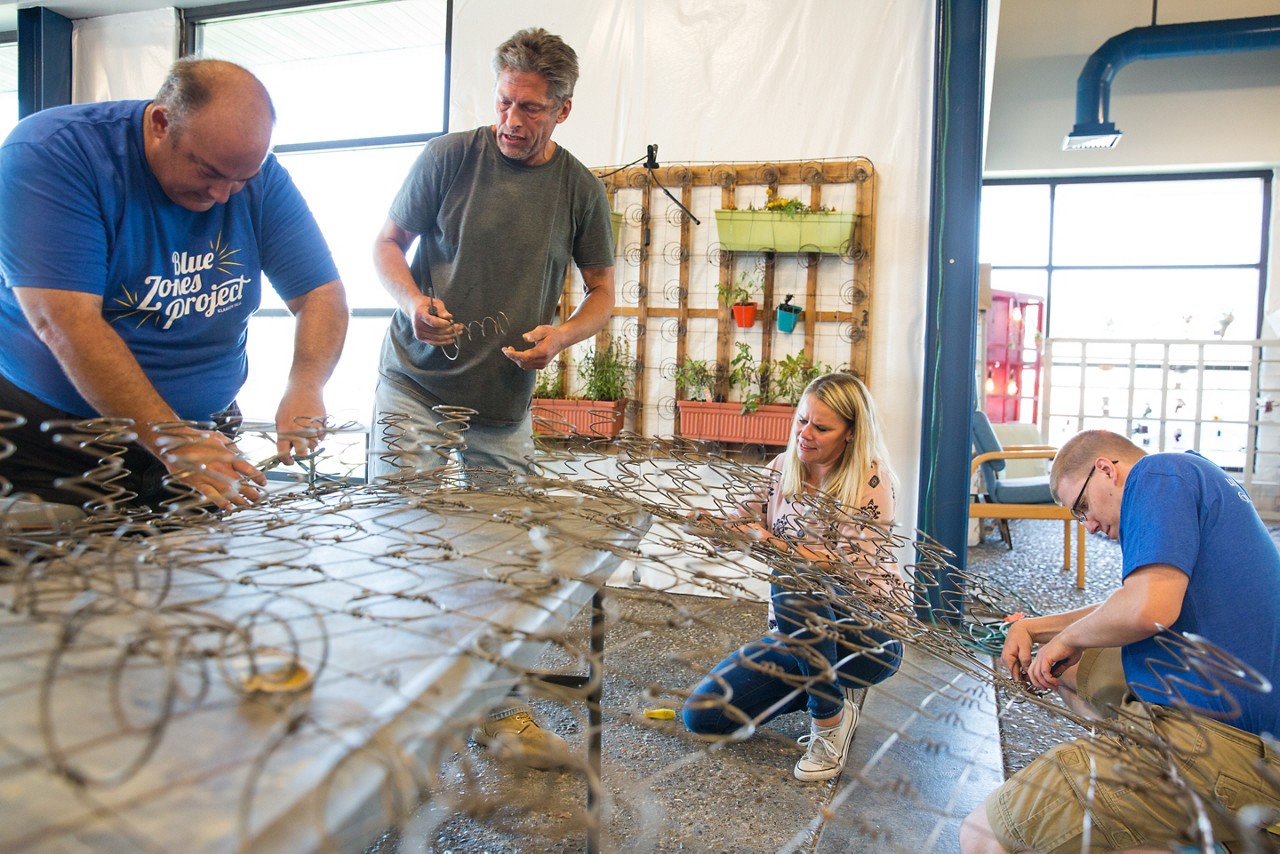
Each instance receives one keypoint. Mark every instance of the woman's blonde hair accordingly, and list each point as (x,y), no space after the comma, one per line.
(846,395)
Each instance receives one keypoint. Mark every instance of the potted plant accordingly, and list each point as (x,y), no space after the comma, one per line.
(784,225)
(778,382)
(788,314)
(602,405)
(605,373)
(738,294)
(770,393)
(552,407)
(550,382)
(753,419)
(750,376)
(696,379)
(791,374)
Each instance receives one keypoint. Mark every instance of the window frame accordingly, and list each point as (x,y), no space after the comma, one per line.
(1051,270)
(191,22)
(193,19)
(1053,183)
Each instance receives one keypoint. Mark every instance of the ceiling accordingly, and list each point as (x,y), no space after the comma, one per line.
(88,8)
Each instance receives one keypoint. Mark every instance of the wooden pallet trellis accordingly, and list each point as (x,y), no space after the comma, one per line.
(730,177)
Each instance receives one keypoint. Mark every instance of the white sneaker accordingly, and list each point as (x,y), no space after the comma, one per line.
(828,747)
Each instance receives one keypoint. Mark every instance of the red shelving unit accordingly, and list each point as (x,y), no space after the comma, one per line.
(1015,325)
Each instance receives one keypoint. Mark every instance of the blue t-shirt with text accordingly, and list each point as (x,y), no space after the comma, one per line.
(81,210)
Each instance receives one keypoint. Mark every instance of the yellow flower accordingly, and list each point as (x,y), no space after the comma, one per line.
(788,206)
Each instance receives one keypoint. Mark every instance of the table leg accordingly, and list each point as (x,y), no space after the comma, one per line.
(593,681)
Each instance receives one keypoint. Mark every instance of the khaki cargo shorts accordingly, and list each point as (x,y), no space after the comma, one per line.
(1145,777)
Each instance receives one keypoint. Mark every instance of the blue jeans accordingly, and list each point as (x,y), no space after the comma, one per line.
(825,642)
(408,436)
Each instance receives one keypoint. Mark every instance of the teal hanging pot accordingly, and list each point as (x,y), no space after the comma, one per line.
(788,314)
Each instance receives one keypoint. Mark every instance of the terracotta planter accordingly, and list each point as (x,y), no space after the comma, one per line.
(744,314)
(725,422)
(592,418)
(771,231)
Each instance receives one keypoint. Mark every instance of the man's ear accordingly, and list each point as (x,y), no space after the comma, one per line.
(564,110)
(158,122)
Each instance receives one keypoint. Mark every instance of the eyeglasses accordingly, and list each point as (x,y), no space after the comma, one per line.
(1077,511)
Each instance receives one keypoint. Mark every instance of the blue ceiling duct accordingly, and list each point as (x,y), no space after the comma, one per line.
(1093,127)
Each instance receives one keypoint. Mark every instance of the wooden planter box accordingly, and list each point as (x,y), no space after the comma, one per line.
(594,418)
(770,231)
(724,422)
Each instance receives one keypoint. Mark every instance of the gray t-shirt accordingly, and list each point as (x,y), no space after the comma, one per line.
(497,237)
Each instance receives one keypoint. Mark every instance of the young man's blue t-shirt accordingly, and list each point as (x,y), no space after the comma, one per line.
(81,210)
(1182,510)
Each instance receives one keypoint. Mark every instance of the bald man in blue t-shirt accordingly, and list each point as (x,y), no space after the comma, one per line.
(134,241)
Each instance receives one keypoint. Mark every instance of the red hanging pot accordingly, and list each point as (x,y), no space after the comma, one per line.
(744,314)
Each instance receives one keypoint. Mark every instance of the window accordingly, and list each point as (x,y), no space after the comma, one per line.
(8,83)
(358,88)
(1147,281)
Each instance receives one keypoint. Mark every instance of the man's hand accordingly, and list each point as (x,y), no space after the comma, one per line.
(1055,657)
(299,425)
(547,344)
(209,463)
(433,324)
(1016,654)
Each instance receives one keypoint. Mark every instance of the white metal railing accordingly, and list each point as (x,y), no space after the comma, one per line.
(1218,397)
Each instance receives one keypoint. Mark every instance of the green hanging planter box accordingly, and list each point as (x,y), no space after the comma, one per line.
(615,219)
(772,231)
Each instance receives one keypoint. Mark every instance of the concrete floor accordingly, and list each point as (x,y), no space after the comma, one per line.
(927,751)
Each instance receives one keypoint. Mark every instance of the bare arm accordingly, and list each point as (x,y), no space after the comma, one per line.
(854,544)
(589,318)
(1023,635)
(108,376)
(1150,598)
(389,260)
(319,333)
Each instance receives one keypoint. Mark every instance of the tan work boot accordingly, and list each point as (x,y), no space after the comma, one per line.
(512,733)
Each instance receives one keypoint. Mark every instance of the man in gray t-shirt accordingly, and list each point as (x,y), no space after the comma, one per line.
(499,214)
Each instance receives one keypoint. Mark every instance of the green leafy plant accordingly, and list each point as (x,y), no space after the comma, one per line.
(782,381)
(697,377)
(740,291)
(752,377)
(787,206)
(605,373)
(550,382)
(789,376)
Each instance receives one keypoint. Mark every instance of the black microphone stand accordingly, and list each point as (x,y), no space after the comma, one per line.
(651,163)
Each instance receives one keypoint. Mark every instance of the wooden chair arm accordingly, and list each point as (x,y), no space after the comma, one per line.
(1046,453)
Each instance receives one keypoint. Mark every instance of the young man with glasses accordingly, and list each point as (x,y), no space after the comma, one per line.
(1176,667)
